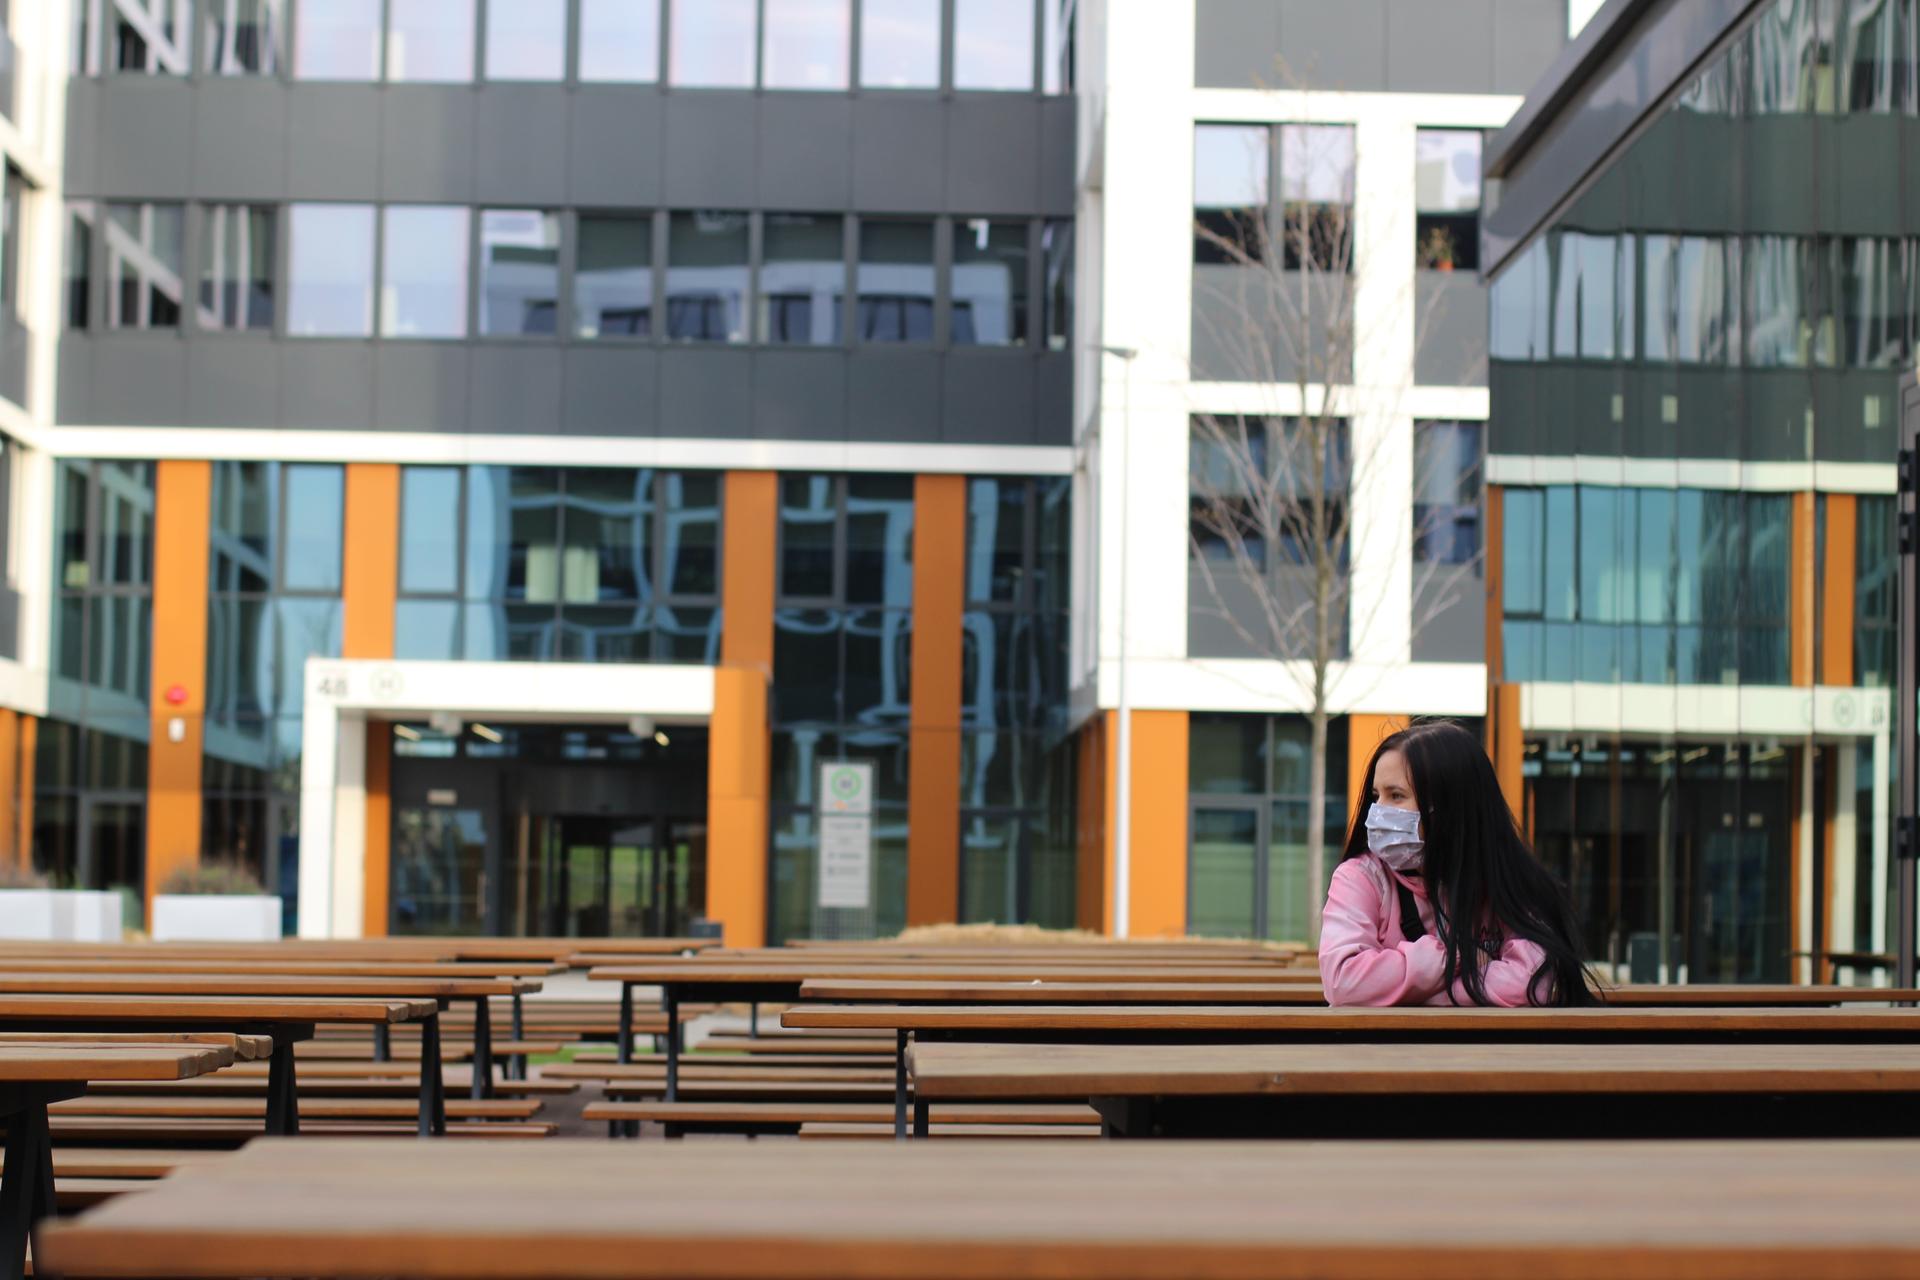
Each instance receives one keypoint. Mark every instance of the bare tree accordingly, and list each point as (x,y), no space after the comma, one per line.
(1272,525)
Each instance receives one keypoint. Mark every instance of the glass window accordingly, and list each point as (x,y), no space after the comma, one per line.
(519,272)
(338,40)
(1230,164)
(690,538)
(808,515)
(620,41)
(430,531)
(430,41)
(900,44)
(712,44)
(330,270)
(243,36)
(993,44)
(80,215)
(236,266)
(315,498)
(1789,306)
(1447,194)
(803,279)
(896,282)
(1316,186)
(1446,492)
(805,43)
(707,277)
(144,245)
(1056,247)
(153,37)
(526,39)
(423,285)
(613,282)
(1876,301)
(989,283)
(1061,18)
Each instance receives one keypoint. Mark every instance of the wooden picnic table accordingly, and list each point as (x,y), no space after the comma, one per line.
(33,1076)
(1047,991)
(284,1020)
(1066,1210)
(1446,1089)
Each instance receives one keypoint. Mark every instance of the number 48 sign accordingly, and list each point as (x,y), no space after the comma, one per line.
(846,834)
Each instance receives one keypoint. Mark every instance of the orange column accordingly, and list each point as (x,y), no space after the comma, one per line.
(1800,609)
(1093,827)
(29,761)
(738,743)
(933,736)
(1509,747)
(1839,576)
(183,512)
(370,584)
(11,850)
(1158,889)
(1495,561)
(1364,734)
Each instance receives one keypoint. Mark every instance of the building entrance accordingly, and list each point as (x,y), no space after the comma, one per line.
(590,876)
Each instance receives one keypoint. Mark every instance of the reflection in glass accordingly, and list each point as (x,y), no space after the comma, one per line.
(1446,492)
(526,39)
(989,283)
(429,530)
(1056,248)
(895,281)
(879,564)
(1230,171)
(236,266)
(144,265)
(79,266)
(806,666)
(900,44)
(426,630)
(691,554)
(712,44)
(607,535)
(304,627)
(1447,198)
(993,44)
(1221,878)
(315,494)
(808,517)
(519,272)
(620,41)
(613,281)
(996,540)
(1790,324)
(243,36)
(330,270)
(430,41)
(803,279)
(707,277)
(805,44)
(423,290)
(1876,285)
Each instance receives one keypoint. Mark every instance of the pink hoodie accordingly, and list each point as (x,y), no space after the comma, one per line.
(1366,960)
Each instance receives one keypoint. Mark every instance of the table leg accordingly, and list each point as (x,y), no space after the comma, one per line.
(753,1020)
(283,1091)
(920,1118)
(482,1086)
(517,1063)
(26,1187)
(433,1084)
(382,1044)
(670,1002)
(625,1051)
(900,1086)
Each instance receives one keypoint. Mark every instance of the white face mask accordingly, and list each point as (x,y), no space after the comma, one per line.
(1394,835)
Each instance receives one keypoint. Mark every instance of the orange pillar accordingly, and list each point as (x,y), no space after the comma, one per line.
(1093,827)
(12,852)
(1800,615)
(1838,582)
(183,513)
(738,742)
(933,736)
(1364,734)
(370,584)
(29,762)
(1158,889)
(1509,746)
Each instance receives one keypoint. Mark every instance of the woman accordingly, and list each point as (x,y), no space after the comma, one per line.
(1438,899)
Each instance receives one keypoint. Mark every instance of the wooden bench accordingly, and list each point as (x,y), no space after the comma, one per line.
(220,1131)
(786,1116)
(882,1131)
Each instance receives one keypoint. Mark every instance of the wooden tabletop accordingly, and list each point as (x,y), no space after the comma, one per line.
(1066,1211)
(69,1063)
(249,984)
(269,964)
(208,1010)
(955,1071)
(750,973)
(246,1048)
(1047,991)
(1419,1020)
(1702,993)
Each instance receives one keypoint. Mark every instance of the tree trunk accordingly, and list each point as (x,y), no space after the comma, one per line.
(1316,821)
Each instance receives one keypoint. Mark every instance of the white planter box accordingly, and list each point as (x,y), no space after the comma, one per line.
(35,915)
(210,917)
(96,915)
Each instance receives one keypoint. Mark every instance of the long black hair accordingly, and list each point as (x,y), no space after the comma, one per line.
(1480,875)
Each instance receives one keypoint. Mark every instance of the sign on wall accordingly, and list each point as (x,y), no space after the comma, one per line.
(846,834)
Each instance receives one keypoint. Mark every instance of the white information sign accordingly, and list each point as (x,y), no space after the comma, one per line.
(846,835)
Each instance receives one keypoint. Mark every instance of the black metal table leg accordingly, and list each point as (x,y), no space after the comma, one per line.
(920,1118)
(753,1020)
(482,1086)
(26,1186)
(433,1085)
(382,1044)
(517,1062)
(900,1086)
(283,1092)
(625,1053)
(670,1003)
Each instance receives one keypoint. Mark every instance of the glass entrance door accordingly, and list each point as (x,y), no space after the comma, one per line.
(614,877)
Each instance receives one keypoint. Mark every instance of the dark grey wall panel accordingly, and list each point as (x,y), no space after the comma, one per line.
(327,385)
(73,401)
(1527,36)
(615,148)
(144,139)
(805,151)
(1053,400)
(1450,618)
(1059,165)
(333,135)
(1450,329)
(83,126)
(240,139)
(989,398)
(1235,42)
(1440,48)
(711,152)
(899,154)
(612,390)
(1332,46)
(426,144)
(233,381)
(706,394)
(421,386)
(139,378)
(799,395)
(517,156)
(893,395)
(516,389)
(993,154)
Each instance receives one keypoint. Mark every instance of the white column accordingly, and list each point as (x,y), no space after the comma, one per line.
(1840,912)
(350,827)
(319,770)
(1803,966)
(1882,822)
